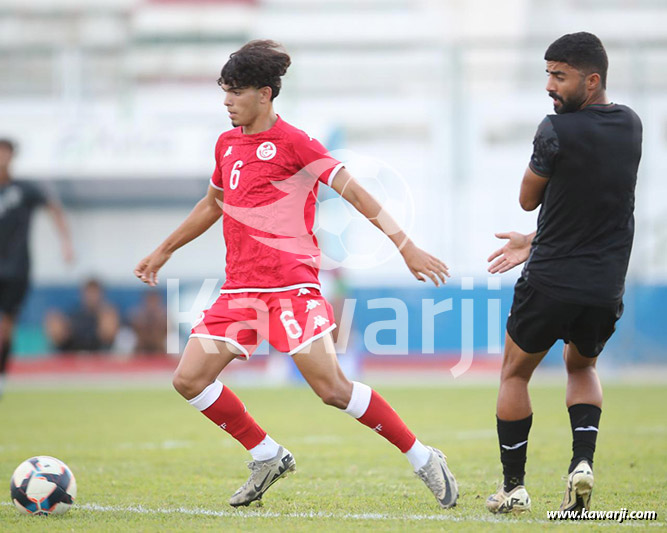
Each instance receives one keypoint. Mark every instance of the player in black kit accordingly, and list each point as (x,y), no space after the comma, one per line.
(583,173)
(18,199)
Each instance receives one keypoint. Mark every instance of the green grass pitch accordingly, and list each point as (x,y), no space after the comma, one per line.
(146,461)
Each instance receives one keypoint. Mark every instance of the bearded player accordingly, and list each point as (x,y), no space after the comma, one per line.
(583,173)
(265,182)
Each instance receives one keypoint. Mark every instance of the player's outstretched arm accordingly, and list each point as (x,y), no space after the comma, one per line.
(202,217)
(419,262)
(59,220)
(515,252)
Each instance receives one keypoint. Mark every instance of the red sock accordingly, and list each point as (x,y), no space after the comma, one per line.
(372,410)
(220,405)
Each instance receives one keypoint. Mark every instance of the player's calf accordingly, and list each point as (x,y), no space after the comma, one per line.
(372,410)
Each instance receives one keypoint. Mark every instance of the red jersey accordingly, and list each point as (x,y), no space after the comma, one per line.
(270,180)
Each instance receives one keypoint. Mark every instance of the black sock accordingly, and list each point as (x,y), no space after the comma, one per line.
(585,420)
(513,439)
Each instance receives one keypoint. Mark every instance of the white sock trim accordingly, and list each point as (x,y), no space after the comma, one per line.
(265,450)
(360,399)
(418,455)
(207,397)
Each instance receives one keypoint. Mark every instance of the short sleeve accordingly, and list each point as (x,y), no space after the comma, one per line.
(315,158)
(216,178)
(545,149)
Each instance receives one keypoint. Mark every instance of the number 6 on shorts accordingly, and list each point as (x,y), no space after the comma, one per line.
(292,327)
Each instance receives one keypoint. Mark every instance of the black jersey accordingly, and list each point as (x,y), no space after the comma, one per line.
(18,199)
(585,227)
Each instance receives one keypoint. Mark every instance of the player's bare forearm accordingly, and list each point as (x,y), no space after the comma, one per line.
(364,202)
(60,222)
(202,217)
(419,262)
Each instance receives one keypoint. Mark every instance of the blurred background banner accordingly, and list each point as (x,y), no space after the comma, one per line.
(115,108)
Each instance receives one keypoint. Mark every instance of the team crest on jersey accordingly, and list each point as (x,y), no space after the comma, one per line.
(266,150)
(228,152)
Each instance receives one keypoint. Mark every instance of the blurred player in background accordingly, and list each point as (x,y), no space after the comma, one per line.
(149,324)
(583,172)
(18,200)
(91,327)
(265,181)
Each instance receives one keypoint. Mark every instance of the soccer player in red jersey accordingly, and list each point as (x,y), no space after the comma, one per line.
(265,182)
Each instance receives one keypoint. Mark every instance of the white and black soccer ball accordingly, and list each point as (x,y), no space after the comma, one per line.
(43,485)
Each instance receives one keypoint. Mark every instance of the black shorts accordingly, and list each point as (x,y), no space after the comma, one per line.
(537,321)
(12,293)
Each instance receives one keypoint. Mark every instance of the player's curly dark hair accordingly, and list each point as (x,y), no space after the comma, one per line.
(583,51)
(258,64)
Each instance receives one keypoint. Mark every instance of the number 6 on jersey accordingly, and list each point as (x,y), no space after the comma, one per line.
(235,176)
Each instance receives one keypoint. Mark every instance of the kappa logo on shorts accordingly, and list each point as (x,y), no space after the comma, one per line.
(266,150)
(199,320)
(319,321)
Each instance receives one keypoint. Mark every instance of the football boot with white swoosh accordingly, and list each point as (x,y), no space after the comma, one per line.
(263,474)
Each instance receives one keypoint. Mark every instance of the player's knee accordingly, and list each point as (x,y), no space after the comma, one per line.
(186,386)
(575,362)
(515,372)
(573,366)
(179,383)
(335,395)
(329,397)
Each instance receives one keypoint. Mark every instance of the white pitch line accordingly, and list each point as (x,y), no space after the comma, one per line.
(245,513)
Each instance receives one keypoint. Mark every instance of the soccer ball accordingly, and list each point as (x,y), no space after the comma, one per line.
(43,485)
